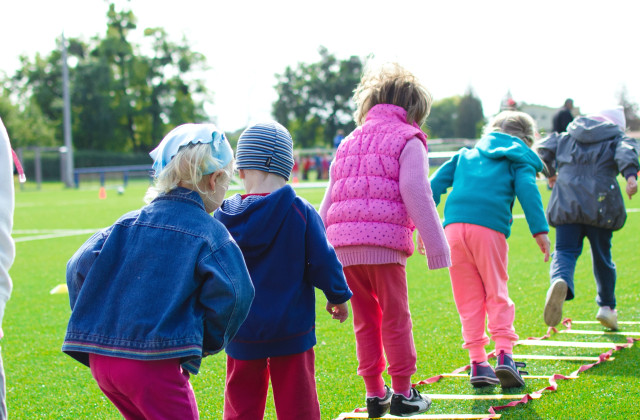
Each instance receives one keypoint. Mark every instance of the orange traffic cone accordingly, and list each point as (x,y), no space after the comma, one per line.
(102,194)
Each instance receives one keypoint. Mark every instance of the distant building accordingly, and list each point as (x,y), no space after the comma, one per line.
(542,115)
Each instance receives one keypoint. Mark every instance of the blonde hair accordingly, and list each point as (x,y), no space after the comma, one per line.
(515,123)
(187,167)
(391,84)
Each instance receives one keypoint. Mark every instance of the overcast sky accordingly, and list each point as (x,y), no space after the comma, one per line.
(541,51)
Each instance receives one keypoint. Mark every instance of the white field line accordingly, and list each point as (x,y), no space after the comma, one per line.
(572,331)
(552,343)
(35,235)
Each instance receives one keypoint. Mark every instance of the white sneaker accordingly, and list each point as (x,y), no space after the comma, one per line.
(608,317)
(556,295)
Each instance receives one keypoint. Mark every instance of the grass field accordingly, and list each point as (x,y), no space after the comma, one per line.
(43,383)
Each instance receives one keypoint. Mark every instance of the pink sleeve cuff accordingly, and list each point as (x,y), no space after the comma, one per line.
(438,261)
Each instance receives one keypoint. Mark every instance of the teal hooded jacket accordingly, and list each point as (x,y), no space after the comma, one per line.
(486,181)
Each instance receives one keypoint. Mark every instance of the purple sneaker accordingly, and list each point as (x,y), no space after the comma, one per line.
(507,371)
(482,376)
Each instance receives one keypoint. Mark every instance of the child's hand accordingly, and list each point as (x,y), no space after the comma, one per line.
(632,186)
(545,246)
(338,311)
(421,249)
(551,181)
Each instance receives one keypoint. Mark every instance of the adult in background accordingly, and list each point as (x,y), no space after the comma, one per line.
(563,117)
(586,201)
(7,246)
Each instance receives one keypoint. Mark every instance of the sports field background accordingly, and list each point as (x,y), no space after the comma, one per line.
(43,383)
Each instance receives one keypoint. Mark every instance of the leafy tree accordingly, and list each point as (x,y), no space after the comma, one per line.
(314,100)
(470,118)
(441,120)
(456,117)
(122,99)
(28,127)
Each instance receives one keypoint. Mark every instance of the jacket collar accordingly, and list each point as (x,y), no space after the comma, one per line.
(184,195)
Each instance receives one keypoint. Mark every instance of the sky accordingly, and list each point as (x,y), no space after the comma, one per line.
(542,52)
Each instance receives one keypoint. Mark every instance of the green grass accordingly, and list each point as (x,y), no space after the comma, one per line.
(43,383)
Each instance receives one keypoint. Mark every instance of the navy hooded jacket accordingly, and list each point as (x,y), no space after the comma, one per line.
(286,250)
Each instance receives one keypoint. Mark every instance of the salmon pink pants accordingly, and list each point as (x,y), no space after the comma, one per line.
(292,380)
(382,325)
(479,281)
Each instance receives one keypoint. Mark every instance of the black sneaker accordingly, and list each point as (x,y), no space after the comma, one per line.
(483,375)
(507,371)
(378,407)
(403,407)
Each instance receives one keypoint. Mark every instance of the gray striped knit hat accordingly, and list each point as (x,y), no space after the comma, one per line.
(267,147)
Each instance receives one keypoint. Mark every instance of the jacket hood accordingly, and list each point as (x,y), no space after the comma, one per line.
(255,224)
(500,146)
(587,130)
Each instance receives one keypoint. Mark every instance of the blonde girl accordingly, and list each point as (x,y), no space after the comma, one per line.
(164,286)
(477,218)
(378,194)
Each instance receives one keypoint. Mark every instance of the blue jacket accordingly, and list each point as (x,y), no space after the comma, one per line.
(286,250)
(166,281)
(486,180)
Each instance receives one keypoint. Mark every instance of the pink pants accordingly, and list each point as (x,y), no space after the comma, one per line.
(382,324)
(479,281)
(145,389)
(292,380)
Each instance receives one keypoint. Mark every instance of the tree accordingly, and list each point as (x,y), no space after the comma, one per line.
(441,120)
(470,118)
(456,116)
(314,100)
(122,99)
(28,127)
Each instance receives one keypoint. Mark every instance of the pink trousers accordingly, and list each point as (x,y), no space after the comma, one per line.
(479,281)
(145,389)
(292,380)
(382,325)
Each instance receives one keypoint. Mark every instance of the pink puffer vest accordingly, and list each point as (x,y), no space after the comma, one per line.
(366,206)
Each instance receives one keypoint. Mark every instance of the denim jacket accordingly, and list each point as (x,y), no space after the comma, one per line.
(166,281)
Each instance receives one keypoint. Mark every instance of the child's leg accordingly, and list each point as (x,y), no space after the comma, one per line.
(490,251)
(390,284)
(603,267)
(569,242)
(367,324)
(145,389)
(468,291)
(381,317)
(294,386)
(245,394)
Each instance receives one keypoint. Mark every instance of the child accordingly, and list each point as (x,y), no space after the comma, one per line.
(378,194)
(7,246)
(164,286)
(586,201)
(286,250)
(477,219)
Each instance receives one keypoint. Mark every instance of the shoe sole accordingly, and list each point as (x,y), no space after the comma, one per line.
(483,381)
(554,302)
(509,378)
(607,323)
(426,399)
